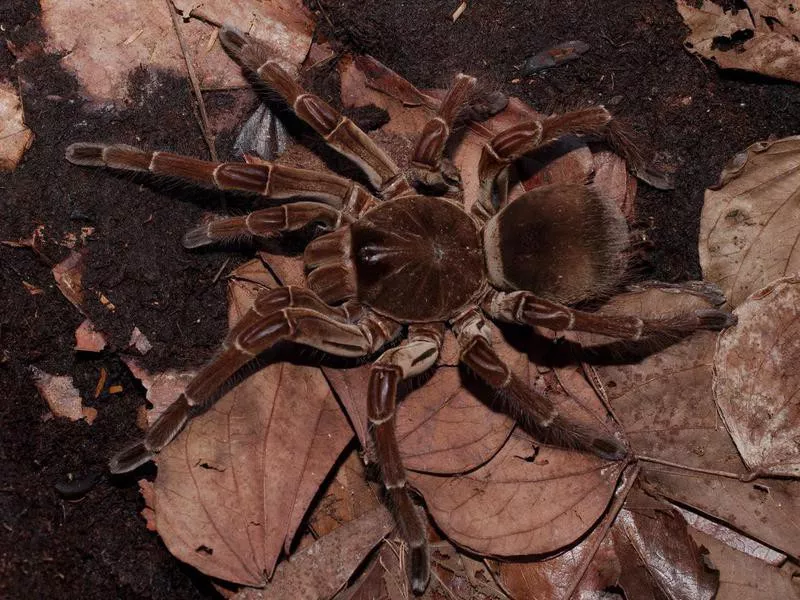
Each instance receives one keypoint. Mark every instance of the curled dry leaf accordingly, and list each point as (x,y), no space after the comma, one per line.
(61,396)
(763,37)
(743,577)
(233,488)
(324,567)
(749,227)
(102,46)
(757,381)
(15,137)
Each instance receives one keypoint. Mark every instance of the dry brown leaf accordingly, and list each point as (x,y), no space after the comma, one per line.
(742,577)
(162,388)
(89,339)
(757,381)
(15,137)
(660,538)
(323,568)
(104,43)
(765,43)
(665,404)
(68,275)
(729,537)
(234,486)
(749,226)
(521,501)
(61,396)
(347,497)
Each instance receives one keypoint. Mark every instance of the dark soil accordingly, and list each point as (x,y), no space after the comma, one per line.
(691,114)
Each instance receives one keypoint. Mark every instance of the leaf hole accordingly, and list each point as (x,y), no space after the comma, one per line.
(735,41)
(761,488)
(202,549)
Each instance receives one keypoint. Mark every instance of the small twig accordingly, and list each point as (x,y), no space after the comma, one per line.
(608,521)
(205,129)
(746,477)
(221,269)
(198,14)
(325,14)
(612,42)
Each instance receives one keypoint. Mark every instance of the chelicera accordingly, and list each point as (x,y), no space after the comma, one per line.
(406,264)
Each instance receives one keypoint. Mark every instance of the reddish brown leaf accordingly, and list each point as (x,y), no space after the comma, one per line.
(521,502)
(234,487)
(749,228)
(665,404)
(742,577)
(660,538)
(68,275)
(89,339)
(61,396)
(322,569)
(15,137)
(757,381)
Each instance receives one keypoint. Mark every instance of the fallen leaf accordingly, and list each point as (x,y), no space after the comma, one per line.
(89,339)
(554,57)
(756,383)
(68,275)
(743,577)
(749,227)
(15,137)
(761,37)
(660,538)
(665,404)
(61,396)
(233,488)
(139,342)
(322,569)
(162,388)
(521,501)
(101,46)
(729,537)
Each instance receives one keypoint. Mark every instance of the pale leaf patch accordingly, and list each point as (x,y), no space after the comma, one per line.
(15,137)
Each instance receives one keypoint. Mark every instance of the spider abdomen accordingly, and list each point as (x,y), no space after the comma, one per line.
(417,259)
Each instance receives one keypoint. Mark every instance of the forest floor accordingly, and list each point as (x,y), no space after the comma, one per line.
(693,116)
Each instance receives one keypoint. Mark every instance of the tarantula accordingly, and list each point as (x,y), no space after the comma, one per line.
(401,260)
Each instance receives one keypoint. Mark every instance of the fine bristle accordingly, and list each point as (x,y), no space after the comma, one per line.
(89,155)
(197,237)
(130,458)
(715,319)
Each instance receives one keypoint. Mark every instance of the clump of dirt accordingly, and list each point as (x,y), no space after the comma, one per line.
(692,117)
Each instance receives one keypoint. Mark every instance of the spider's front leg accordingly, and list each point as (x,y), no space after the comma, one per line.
(413,357)
(338,131)
(286,313)
(526,308)
(533,411)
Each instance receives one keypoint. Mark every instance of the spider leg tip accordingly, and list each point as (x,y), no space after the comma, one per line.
(197,237)
(130,458)
(82,153)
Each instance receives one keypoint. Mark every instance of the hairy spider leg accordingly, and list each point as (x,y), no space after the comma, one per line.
(528,309)
(256,176)
(415,356)
(285,313)
(535,412)
(429,168)
(512,143)
(339,132)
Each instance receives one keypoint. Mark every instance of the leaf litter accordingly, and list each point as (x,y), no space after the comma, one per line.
(239,536)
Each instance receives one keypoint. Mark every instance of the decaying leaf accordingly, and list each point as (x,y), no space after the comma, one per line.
(15,137)
(61,396)
(135,34)
(761,37)
(162,388)
(749,227)
(89,339)
(234,486)
(742,577)
(322,569)
(757,381)
(68,275)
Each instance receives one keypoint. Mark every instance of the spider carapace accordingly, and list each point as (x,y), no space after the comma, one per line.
(401,264)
